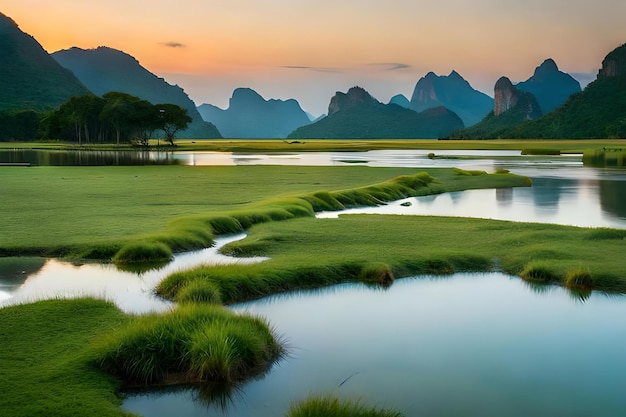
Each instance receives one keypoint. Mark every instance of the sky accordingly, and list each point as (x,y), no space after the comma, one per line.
(308,50)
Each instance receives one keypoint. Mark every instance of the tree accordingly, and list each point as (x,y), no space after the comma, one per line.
(172,119)
(117,112)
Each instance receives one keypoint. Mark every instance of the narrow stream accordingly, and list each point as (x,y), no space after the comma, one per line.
(131,292)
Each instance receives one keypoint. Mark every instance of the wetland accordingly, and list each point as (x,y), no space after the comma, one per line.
(485,344)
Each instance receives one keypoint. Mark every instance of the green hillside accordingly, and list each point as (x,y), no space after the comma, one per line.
(29,77)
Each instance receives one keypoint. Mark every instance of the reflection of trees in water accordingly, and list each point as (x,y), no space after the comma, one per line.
(85,158)
(504,196)
(613,197)
(548,190)
(15,270)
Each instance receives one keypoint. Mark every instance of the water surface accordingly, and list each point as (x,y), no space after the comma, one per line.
(131,292)
(472,344)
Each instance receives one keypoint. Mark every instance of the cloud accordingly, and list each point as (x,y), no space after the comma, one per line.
(317,69)
(173,44)
(390,66)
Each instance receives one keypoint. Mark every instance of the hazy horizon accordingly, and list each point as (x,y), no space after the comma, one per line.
(310,50)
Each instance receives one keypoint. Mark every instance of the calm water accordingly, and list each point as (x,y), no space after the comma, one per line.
(131,292)
(472,344)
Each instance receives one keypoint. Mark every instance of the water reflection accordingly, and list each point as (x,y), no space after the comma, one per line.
(131,292)
(560,201)
(86,157)
(467,344)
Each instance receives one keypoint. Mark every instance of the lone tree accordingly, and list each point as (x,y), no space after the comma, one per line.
(173,118)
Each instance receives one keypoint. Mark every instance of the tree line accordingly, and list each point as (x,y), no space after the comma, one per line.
(113,118)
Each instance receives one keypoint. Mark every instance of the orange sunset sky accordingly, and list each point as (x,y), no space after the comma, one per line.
(308,50)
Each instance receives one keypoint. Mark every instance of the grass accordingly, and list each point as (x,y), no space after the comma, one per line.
(142,252)
(45,355)
(313,145)
(330,406)
(311,253)
(193,343)
(126,213)
(71,357)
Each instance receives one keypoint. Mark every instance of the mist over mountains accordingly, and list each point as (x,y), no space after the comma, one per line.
(250,116)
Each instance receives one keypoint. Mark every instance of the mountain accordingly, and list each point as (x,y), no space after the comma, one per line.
(251,116)
(454,93)
(550,86)
(29,77)
(401,101)
(511,107)
(358,115)
(106,69)
(598,112)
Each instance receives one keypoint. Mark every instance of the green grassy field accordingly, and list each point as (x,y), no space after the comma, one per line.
(45,359)
(309,145)
(66,210)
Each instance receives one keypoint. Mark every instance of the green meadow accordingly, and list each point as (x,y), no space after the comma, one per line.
(322,145)
(71,358)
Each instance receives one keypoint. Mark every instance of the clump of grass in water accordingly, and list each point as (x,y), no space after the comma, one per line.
(539,272)
(193,343)
(378,273)
(142,252)
(330,406)
(580,278)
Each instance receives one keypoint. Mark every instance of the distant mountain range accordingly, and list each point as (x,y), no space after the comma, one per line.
(454,93)
(105,69)
(251,116)
(550,86)
(356,114)
(599,111)
(29,77)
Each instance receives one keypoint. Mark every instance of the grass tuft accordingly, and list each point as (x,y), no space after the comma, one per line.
(199,291)
(580,278)
(331,406)
(539,272)
(378,273)
(142,252)
(194,343)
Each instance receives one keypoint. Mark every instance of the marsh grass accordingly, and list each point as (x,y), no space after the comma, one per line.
(539,272)
(185,207)
(310,253)
(199,291)
(377,273)
(331,406)
(605,157)
(193,343)
(142,253)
